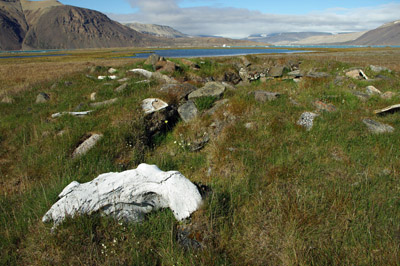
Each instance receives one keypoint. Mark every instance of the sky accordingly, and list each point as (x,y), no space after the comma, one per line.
(241,18)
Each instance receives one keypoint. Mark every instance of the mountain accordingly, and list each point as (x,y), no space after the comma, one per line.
(156,30)
(330,39)
(387,34)
(51,25)
(284,38)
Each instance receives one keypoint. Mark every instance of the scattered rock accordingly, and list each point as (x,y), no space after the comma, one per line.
(108,102)
(232,77)
(142,72)
(214,89)
(71,113)
(7,99)
(86,145)
(356,74)
(307,120)
(122,87)
(295,73)
(128,195)
(164,78)
(123,80)
(167,66)
(188,111)
(376,127)
(388,110)
(317,75)
(276,71)
(153,59)
(42,98)
(180,91)
(152,105)
(263,96)
(112,77)
(321,106)
(112,71)
(378,69)
(93,96)
(388,95)
(371,90)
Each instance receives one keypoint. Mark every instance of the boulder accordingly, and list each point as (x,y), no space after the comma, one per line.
(376,127)
(153,59)
(87,145)
(371,90)
(167,66)
(164,78)
(213,89)
(42,97)
(356,74)
(188,111)
(160,121)
(276,71)
(307,120)
(128,196)
(263,96)
(180,91)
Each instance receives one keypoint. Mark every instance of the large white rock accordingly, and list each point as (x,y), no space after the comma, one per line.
(128,195)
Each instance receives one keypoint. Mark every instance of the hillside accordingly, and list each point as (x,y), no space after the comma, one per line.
(13,25)
(387,34)
(156,30)
(284,38)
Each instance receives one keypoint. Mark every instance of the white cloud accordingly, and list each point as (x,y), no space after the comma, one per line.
(239,22)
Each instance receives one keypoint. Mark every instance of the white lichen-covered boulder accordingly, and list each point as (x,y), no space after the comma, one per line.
(128,195)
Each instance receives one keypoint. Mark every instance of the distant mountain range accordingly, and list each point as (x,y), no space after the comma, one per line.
(388,34)
(156,30)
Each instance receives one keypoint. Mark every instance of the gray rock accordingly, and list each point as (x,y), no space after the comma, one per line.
(128,196)
(151,105)
(153,59)
(164,78)
(142,72)
(276,71)
(87,145)
(123,80)
(307,120)
(295,73)
(371,90)
(317,75)
(214,89)
(188,111)
(180,91)
(108,102)
(244,75)
(360,95)
(122,87)
(263,96)
(378,69)
(42,98)
(376,127)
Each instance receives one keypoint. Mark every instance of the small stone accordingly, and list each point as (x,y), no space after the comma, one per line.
(376,127)
(108,102)
(263,96)
(42,97)
(321,106)
(249,125)
(371,90)
(388,95)
(122,87)
(307,120)
(112,71)
(93,96)
(152,105)
(86,145)
(188,111)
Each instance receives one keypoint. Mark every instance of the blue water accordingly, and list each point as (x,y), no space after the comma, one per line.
(178,53)
(337,46)
(29,56)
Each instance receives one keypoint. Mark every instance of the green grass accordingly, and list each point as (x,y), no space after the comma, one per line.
(281,195)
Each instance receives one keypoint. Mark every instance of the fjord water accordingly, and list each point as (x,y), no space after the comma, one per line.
(179,53)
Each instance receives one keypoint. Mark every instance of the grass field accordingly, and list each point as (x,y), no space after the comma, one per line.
(281,195)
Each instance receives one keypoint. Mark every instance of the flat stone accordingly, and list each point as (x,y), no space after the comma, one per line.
(263,96)
(371,90)
(276,71)
(87,145)
(122,87)
(307,120)
(317,75)
(325,107)
(213,89)
(188,111)
(42,97)
(180,91)
(388,95)
(152,105)
(128,196)
(388,110)
(376,127)
(295,73)
(84,113)
(142,72)
(123,80)
(108,102)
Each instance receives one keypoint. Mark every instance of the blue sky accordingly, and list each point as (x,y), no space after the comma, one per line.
(238,18)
